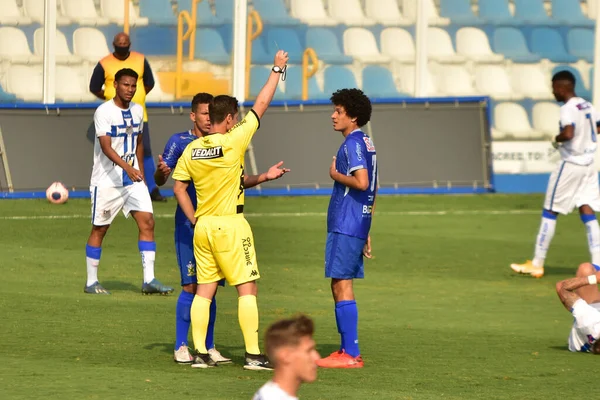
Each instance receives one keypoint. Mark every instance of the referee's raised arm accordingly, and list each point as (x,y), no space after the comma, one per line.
(268,91)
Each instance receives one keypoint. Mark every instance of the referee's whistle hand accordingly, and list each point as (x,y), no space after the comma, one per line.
(281,58)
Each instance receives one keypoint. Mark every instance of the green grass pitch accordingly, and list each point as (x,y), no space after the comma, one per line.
(441,315)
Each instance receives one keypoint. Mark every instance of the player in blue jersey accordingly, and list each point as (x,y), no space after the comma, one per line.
(184,232)
(354,172)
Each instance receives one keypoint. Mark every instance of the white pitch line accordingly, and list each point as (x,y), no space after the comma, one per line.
(300,214)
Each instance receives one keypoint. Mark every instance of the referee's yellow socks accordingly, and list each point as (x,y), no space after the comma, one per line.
(200,313)
(248,317)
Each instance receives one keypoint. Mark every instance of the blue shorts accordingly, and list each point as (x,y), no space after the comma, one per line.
(596,267)
(184,249)
(344,257)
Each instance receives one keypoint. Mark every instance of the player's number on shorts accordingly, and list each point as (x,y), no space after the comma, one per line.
(374,163)
(592,126)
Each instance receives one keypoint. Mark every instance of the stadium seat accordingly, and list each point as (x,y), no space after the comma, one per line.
(90,44)
(25,81)
(338,77)
(348,12)
(546,116)
(115,12)
(274,12)
(580,42)
(293,85)
(377,81)
(285,38)
(311,12)
(204,14)
(548,43)
(497,12)
(456,81)
(398,44)
(531,82)
(385,12)
(325,43)
(439,47)
(157,95)
(407,76)
(63,54)
(260,55)
(35,10)
(210,47)
(493,80)
(258,77)
(70,85)
(592,9)
(6,97)
(158,12)
(224,10)
(82,12)
(361,44)
(568,12)
(14,47)
(10,14)
(533,12)
(473,43)
(580,87)
(410,10)
(511,43)
(512,119)
(459,12)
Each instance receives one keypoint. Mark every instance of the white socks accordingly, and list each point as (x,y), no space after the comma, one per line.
(148,253)
(593,235)
(92,270)
(544,238)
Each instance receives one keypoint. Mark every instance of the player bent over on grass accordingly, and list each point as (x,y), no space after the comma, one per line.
(581,297)
(223,241)
(292,351)
(354,172)
(184,232)
(118,181)
(574,183)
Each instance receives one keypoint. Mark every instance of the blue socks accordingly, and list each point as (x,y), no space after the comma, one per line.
(346,316)
(183,320)
(149,169)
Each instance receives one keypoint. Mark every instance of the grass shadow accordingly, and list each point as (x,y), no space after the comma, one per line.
(560,270)
(118,286)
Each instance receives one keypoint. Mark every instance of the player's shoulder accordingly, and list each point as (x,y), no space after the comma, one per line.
(249,120)
(182,138)
(359,138)
(135,107)
(105,109)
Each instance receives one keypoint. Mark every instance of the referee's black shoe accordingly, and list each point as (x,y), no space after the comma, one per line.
(156,196)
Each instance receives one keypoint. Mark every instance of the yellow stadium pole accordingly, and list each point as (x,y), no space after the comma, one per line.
(183,16)
(253,17)
(126,16)
(193,27)
(309,59)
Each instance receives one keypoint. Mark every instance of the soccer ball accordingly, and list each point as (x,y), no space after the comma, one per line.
(57,193)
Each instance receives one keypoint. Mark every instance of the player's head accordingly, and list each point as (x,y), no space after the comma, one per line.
(223,110)
(351,110)
(291,348)
(122,43)
(563,85)
(125,84)
(199,113)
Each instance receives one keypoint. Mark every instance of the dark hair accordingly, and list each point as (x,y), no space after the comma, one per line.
(201,98)
(287,332)
(564,76)
(220,107)
(126,72)
(356,104)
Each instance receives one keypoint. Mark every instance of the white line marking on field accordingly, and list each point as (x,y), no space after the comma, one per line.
(300,214)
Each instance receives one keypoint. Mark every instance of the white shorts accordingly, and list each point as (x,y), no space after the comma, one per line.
(571,186)
(586,327)
(108,201)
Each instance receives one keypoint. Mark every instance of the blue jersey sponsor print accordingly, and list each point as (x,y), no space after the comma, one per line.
(350,209)
(173,150)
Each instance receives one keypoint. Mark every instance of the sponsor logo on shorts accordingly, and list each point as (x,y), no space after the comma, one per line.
(191,269)
(253,273)
(204,154)
(105,213)
(246,245)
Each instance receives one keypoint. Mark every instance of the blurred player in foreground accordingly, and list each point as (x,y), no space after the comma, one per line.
(184,232)
(354,172)
(574,183)
(223,241)
(580,296)
(118,181)
(291,348)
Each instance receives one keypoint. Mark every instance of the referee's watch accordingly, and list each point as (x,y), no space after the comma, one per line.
(277,69)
